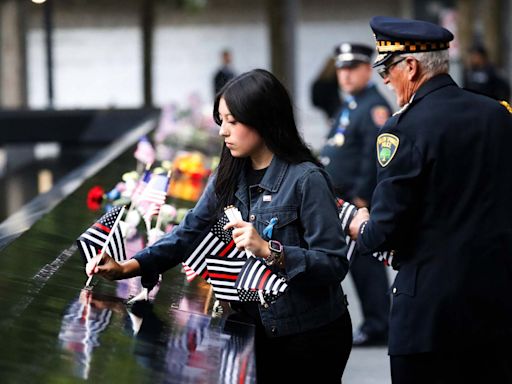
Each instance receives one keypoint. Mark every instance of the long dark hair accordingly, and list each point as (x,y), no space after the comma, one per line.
(258,100)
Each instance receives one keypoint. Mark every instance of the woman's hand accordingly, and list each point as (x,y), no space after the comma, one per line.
(108,268)
(246,237)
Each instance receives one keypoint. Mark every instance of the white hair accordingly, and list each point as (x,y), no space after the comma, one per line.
(433,63)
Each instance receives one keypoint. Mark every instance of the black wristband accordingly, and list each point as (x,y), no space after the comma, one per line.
(362,227)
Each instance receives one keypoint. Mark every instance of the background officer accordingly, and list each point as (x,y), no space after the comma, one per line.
(442,203)
(349,158)
(483,77)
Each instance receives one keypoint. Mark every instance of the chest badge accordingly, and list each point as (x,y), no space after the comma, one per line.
(267,198)
(387,145)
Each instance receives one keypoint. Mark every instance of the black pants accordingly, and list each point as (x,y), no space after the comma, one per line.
(487,364)
(318,355)
(372,285)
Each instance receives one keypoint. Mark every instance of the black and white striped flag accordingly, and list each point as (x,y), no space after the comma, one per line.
(222,275)
(257,282)
(217,242)
(220,263)
(346,213)
(385,256)
(105,230)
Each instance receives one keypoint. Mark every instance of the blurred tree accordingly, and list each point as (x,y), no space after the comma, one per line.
(13,83)
(148,24)
(282,17)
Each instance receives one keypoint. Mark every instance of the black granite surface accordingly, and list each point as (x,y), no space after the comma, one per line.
(54,331)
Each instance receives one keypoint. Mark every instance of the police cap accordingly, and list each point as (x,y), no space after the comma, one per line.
(351,54)
(395,36)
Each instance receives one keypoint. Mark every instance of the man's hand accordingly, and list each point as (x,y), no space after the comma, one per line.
(359,203)
(361,216)
(246,237)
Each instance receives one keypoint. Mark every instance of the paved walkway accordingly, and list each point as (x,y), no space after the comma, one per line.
(365,365)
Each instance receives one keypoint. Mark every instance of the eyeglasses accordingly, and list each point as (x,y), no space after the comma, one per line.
(384,71)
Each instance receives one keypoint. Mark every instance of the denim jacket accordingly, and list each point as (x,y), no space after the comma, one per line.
(300,197)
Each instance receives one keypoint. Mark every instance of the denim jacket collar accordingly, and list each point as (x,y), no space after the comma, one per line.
(274,175)
(270,182)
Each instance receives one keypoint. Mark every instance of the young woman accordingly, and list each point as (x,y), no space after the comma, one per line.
(269,174)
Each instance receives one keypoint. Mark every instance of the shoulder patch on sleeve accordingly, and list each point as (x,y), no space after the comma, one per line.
(387,145)
(506,105)
(380,115)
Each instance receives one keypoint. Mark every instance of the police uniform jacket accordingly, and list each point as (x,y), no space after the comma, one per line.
(352,165)
(443,202)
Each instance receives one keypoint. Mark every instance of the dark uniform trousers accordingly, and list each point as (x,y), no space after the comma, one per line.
(372,286)
(483,364)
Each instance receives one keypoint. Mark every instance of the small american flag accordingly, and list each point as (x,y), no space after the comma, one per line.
(257,282)
(94,239)
(217,242)
(347,212)
(189,272)
(141,184)
(153,196)
(145,152)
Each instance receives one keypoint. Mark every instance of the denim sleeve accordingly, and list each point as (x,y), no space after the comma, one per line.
(175,246)
(323,260)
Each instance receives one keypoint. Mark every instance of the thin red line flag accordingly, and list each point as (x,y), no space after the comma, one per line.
(92,241)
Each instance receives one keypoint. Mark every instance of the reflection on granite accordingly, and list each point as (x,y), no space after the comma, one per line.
(83,322)
(184,347)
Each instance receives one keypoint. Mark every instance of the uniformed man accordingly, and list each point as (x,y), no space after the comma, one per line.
(349,158)
(443,203)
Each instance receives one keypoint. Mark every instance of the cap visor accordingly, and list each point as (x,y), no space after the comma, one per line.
(381,59)
(349,64)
